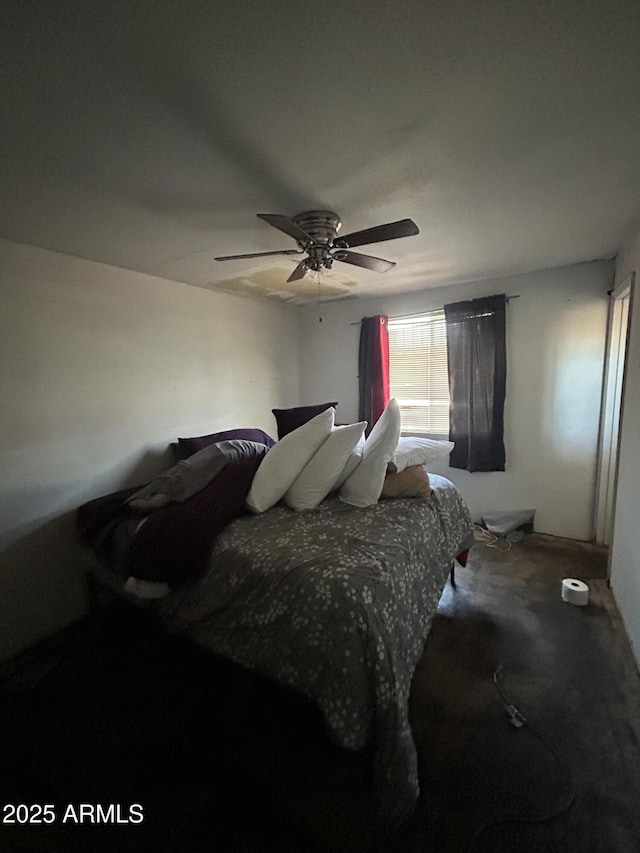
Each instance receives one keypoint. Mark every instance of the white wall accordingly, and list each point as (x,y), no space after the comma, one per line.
(555,351)
(625,550)
(100,368)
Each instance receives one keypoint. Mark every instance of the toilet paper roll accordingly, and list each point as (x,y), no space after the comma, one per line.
(575,592)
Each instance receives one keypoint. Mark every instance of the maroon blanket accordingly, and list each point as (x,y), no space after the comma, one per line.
(170,544)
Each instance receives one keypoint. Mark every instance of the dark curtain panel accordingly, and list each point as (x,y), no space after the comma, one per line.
(476,352)
(373,369)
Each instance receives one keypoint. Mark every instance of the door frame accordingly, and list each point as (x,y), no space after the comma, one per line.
(615,368)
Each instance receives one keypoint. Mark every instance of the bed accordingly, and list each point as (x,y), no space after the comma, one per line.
(335,603)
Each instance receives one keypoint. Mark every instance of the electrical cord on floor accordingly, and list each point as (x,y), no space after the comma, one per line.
(518,720)
(490,540)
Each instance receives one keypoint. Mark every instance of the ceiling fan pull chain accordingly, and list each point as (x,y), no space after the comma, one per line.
(319,315)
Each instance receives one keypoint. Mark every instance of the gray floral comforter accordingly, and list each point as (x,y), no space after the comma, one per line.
(337,603)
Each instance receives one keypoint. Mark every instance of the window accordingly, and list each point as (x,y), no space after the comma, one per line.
(418,374)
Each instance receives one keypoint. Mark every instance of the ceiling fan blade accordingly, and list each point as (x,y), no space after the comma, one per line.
(390,231)
(259,255)
(283,223)
(299,271)
(366,261)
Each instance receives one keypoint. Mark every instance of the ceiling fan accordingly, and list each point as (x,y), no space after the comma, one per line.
(316,233)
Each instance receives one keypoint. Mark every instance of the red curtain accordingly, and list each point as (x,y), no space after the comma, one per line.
(373,363)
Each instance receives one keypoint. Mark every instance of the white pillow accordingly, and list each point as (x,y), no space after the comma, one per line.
(414,450)
(286,459)
(364,486)
(352,463)
(321,473)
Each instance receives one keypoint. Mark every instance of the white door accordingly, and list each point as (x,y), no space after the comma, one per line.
(617,334)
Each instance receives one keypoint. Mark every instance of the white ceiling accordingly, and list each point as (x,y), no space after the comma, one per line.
(148,134)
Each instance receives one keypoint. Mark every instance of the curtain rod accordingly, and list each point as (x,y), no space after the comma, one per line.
(433,311)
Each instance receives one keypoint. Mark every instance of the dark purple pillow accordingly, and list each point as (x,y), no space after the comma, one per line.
(188,446)
(290,419)
(174,543)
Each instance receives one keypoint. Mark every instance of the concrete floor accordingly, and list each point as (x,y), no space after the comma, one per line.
(114,711)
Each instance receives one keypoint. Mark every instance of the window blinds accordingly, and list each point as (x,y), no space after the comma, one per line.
(418,372)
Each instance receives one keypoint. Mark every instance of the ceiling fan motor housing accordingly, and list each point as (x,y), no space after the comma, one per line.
(322,226)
